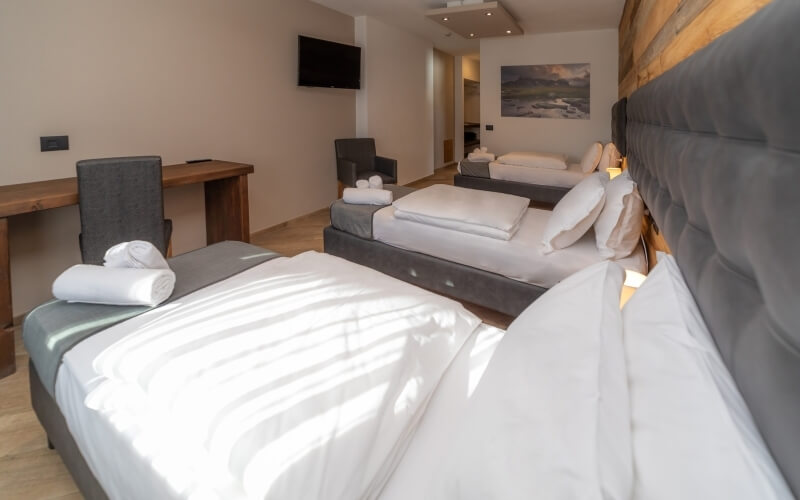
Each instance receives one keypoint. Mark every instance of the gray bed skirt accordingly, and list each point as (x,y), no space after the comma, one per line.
(448,278)
(58,436)
(534,192)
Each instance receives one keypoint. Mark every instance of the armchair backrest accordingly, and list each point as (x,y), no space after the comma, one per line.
(360,151)
(120,199)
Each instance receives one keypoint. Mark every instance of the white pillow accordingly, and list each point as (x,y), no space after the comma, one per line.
(693,436)
(591,158)
(575,213)
(609,158)
(550,417)
(619,225)
(534,159)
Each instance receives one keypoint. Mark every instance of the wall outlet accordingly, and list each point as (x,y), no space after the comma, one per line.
(54,143)
(489,127)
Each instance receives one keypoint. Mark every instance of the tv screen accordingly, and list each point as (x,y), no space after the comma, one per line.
(328,64)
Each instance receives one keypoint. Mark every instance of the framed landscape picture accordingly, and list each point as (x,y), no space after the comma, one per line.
(546,91)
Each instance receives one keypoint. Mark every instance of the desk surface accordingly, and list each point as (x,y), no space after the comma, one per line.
(34,196)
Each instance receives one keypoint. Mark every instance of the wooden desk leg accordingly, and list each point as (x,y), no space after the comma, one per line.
(227,210)
(7,353)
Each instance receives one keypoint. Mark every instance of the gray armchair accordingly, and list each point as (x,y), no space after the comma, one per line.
(356,159)
(120,199)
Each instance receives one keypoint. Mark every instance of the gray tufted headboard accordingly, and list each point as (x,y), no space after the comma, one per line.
(714,144)
(618,123)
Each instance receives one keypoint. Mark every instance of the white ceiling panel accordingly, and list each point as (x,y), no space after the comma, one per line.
(533,16)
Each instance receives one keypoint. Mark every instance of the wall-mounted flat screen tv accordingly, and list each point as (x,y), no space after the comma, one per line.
(328,64)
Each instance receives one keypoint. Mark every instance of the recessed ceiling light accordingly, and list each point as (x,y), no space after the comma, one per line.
(508,32)
(488,13)
(471,35)
(445,19)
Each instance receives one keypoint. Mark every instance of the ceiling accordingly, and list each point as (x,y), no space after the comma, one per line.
(534,16)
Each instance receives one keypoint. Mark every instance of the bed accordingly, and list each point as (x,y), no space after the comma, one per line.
(738,262)
(541,185)
(458,263)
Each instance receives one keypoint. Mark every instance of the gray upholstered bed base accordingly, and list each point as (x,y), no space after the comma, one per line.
(449,278)
(58,435)
(534,192)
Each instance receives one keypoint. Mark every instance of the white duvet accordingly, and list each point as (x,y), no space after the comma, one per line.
(299,378)
(484,213)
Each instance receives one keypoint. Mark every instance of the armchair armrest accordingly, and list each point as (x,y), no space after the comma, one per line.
(386,166)
(346,171)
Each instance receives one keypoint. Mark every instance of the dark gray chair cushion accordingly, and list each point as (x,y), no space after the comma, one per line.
(356,159)
(120,199)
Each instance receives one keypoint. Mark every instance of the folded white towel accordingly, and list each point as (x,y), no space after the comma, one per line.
(367,196)
(484,149)
(137,254)
(375,182)
(362,184)
(480,156)
(119,286)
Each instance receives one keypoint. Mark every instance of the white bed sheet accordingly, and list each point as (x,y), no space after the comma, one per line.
(544,176)
(199,399)
(519,258)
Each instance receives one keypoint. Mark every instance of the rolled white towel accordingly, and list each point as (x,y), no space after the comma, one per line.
(367,196)
(479,156)
(137,254)
(484,149)
(375,182)
(362,184)
(118,286)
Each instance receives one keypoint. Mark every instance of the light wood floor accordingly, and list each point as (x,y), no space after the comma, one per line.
(29,470)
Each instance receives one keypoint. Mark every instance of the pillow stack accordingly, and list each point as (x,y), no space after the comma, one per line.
(609,158)
(550,417)
(618,227)
(614,207)
(591,158)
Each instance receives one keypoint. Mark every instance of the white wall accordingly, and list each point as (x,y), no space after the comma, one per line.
(182,79)
(395,103)
(599,48)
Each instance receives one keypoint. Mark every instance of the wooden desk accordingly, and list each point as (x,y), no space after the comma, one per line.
(227,218)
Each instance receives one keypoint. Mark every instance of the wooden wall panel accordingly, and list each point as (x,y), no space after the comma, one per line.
(655,35)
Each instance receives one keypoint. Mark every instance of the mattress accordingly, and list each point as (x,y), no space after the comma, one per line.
(542,176)
(271,384)
(519,258)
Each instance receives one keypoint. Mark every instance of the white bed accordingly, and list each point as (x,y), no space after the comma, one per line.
(312,377)
(543,176)
(273,383)
(519,258)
